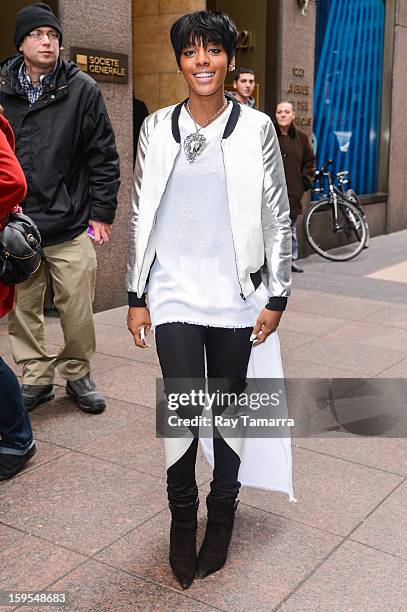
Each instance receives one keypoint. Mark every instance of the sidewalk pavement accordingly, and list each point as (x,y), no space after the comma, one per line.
(89,515)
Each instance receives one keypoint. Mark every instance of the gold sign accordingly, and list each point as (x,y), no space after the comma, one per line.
(102,65)
(245,40)
(300,105)
(295,88)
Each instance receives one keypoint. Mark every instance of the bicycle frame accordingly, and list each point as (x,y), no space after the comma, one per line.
(333,198)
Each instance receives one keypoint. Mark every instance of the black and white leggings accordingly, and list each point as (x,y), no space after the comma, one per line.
(181,350)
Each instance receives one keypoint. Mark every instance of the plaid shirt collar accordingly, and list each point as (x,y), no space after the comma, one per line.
(33,92)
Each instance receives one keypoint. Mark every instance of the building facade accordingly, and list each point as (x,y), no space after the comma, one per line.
(341,64)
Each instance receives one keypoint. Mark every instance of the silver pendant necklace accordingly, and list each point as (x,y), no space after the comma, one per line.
(195,143)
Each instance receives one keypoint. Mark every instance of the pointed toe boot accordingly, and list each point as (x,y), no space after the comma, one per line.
(214,550)
(183,542)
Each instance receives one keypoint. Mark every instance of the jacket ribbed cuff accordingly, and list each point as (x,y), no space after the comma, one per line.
(277,303)
(136,301)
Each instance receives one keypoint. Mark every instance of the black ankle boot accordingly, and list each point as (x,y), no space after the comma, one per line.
(183,542)
(214,549)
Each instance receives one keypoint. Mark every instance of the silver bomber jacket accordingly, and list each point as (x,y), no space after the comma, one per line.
(258,202)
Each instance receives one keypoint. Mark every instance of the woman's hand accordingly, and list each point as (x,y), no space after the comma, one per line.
(267,323)
(138,318)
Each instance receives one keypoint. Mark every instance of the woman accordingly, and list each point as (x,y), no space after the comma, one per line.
(209,203)
(16,444)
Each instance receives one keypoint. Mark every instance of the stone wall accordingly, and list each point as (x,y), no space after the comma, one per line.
(397,206)
(296,55)
(107,26)
(156,81)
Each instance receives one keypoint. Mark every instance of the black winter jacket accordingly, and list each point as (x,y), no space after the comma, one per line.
(66,147)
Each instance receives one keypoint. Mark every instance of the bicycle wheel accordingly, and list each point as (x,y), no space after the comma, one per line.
(351,197)
(336,243)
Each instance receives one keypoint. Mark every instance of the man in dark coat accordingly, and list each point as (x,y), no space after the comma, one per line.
(66,147)
(299,165)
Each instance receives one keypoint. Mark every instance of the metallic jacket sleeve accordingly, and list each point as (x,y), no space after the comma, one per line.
(133,266)
(275,217)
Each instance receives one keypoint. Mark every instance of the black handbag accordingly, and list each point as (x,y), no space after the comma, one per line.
(20,249)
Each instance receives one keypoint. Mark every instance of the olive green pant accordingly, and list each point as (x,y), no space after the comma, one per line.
(72,267)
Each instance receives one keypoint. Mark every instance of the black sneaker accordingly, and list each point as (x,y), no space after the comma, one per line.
(84,392)
(10,465)
(33,395)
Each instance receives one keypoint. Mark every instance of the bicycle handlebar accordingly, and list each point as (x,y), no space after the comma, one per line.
(325,166)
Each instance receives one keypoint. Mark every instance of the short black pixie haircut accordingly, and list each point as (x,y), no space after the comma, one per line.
(206,26)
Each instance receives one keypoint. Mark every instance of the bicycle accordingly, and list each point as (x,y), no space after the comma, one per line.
(335,226)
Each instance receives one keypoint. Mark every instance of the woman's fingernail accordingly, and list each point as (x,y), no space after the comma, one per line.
(253,337)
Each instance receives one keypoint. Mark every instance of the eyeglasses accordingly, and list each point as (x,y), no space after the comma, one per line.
(38,35)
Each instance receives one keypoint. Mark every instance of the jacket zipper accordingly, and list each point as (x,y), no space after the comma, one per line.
(154,220)
(145,251)
(7,254)
(242,295)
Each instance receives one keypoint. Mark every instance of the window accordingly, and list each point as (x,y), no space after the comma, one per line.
(347,90)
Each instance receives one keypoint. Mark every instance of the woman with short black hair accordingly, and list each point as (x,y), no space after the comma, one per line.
(209,204)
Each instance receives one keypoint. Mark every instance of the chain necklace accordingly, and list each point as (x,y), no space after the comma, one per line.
(195,143)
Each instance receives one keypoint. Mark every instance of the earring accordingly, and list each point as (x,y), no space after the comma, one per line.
(179,71)
(232,67)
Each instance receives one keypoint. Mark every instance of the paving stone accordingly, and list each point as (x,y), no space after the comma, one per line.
(45,452)
(115,316)
(61,422)
(359,359)
(80,502)
(354,578)
(372,335)
(136,446)
(113,340)
(94,587)
(290,340)
(301,367)
(390,316)
(395,273)
(306,323)
(398,370)
(328,304)
(268,556)
(135,383)
(29,563)
(332,494)
(386,527)
(373,290)
(389,454)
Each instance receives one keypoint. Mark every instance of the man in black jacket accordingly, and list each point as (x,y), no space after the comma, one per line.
(66,147)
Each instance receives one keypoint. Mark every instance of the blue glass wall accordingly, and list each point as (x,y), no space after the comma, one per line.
(347,90)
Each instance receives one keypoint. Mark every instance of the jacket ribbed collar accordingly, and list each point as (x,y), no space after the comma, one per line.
(230,126)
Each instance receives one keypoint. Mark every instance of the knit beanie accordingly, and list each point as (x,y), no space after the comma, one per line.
(35,16)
